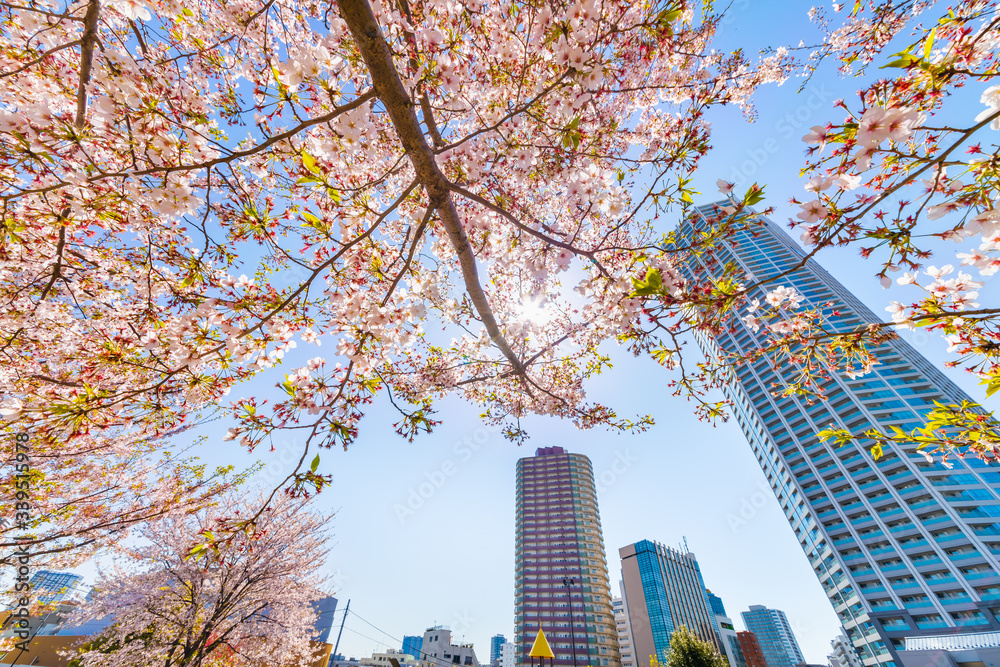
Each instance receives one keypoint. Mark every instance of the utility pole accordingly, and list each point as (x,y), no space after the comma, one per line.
(567,582)
(342,621)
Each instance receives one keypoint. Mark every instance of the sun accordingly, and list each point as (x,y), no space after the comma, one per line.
(535,310)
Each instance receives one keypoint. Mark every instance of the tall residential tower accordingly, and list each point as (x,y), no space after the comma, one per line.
(904,547)
(777,642)
(561,568)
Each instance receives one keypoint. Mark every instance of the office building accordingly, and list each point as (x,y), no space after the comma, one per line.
(730,642)
(561,576)
(48,586)
(664,590)
(325,608)
(775,636)
(727,631)
(715,603)
(496,641)
(412,645)
(753,656)
(904,547)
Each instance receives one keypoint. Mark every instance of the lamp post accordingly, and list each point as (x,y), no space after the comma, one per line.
(567,582)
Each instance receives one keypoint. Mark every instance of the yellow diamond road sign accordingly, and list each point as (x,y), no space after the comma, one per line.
(541,648)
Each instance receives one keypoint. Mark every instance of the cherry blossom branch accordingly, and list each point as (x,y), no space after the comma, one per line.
(55,49)
(499,210)
(385,79)
(86,58)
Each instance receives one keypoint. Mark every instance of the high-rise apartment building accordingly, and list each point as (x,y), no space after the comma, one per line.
(750,647)
(561,574)
(496,641)
(842,653)
(775,635)
(664,590)
(48,586)
(904,547)
(624,634)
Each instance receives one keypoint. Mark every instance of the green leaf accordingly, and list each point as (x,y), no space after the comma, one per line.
(309,162)
(754,195)
(315,463)
(905,60)
(992,386)
(652,284)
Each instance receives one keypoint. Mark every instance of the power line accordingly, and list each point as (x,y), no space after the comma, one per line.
(392,637)
(377,641)
(425,656)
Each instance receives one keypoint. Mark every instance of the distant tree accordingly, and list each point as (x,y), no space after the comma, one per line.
(242,602)
(688,650)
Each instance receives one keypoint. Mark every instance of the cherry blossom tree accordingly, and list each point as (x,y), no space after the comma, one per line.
(245,602)
(191,188)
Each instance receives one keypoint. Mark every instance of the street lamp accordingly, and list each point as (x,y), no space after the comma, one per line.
(567,582)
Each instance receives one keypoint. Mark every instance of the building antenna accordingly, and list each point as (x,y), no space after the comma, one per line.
(685,544)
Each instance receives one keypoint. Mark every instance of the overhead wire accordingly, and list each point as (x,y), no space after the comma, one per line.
(423,654)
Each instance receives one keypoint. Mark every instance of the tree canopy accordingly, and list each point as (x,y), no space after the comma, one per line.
(456,197)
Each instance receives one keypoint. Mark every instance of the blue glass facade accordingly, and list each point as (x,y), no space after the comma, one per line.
(716,603)
(496,641)
(412,644)
(663,590)
(902,546)
(48,586)
(325,609)
(777,642)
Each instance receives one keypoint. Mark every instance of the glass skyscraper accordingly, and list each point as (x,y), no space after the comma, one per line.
(902,546)
(715,602)
(48,586)
(664,590)
(559,538)
(496,641)
(777,642)
(412,645)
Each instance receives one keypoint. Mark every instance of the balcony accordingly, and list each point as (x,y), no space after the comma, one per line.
(894,567)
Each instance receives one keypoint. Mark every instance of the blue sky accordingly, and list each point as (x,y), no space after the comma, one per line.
(424,532)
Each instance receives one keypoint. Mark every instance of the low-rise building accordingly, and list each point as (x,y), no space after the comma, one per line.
(386,658)
(438,651)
